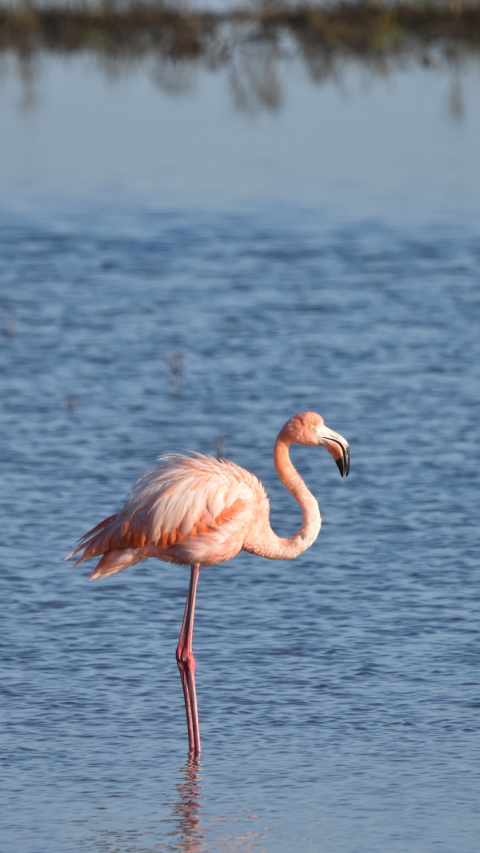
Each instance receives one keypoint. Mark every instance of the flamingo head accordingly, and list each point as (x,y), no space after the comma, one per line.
(309,428)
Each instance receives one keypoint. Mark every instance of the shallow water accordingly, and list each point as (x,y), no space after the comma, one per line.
(339,693)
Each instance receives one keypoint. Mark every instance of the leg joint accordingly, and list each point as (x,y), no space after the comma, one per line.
(185,658)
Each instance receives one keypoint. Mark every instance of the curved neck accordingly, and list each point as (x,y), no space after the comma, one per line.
(275,547)
(311,519)
(287,472)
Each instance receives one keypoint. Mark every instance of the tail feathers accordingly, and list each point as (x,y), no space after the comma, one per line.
(92,540)
(115,561)
(100,527)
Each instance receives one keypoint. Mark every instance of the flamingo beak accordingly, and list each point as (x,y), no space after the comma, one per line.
(338,446)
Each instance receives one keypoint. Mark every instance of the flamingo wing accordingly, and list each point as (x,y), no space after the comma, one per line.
(188,509)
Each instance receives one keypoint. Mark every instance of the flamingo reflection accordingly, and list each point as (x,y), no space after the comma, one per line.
(182,831)
(187,809)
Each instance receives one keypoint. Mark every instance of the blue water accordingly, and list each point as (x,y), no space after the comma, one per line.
(339,693)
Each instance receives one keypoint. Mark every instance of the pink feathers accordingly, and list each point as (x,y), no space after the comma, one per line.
(190,509)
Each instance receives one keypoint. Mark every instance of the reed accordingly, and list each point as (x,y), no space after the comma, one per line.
(174,362)
(249,42)
(220,444)
(11,325)
(71,402)
(358,28)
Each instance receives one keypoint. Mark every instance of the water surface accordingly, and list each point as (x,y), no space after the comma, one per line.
(321,255)
(339,693)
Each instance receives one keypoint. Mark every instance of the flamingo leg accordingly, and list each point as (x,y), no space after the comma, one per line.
(186,664)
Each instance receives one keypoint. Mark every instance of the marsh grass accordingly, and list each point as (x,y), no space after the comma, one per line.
(174,362)
(11,325)
(220,444)
(71,402)
(249,40)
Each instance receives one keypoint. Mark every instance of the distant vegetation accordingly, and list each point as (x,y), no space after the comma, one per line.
(379,35)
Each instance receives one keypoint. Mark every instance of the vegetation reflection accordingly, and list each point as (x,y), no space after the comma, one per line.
(249,42)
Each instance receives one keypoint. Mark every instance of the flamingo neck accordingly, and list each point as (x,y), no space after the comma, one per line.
(267,543)
(311,518)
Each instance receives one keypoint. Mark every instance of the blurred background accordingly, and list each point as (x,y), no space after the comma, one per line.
(212,218)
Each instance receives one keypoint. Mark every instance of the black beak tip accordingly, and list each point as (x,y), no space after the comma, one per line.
(343,464)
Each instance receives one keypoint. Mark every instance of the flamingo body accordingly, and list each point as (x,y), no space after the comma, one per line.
(189,509)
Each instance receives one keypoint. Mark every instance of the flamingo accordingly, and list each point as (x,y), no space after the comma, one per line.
(199,511)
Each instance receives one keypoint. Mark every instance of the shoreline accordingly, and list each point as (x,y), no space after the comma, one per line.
(362,30)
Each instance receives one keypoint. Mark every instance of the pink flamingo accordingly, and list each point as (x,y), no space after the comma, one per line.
(198,511)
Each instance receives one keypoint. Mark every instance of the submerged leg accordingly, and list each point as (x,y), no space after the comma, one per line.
(186,664)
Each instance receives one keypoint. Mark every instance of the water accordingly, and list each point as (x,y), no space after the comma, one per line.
(339,693)
(358,144)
